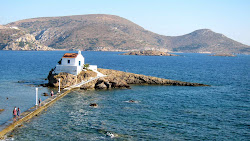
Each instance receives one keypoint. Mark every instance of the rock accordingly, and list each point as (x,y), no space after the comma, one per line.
(109,134)
(68,79)
(118,83)
(88,86)
(45,94)
(1,110)
(93,105)
(149,53)
(100,86)
(20,125)
(131,101)
(43,85)
(10,136)
(85,75)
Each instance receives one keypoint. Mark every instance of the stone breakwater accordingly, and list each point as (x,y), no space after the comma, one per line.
(114,79)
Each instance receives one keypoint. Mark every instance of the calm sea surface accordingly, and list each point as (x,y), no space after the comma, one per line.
(219,112)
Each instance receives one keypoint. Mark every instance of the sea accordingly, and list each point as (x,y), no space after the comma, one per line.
(217,112)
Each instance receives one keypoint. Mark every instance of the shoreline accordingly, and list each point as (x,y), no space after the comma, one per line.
(120,51)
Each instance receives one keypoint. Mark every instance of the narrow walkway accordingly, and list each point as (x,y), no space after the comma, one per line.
(34,111)
(30,113)
(98,73)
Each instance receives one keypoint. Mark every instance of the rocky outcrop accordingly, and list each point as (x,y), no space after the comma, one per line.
(26,42)
(108,82)
(69,79)
(149,53)
(224,54)
(8,34)
(131,78)
(114,79)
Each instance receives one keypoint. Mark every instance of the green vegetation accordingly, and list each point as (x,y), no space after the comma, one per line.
(86,66)
(21,44)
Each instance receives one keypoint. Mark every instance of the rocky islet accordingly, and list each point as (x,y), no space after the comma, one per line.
(113,79)
(149,53)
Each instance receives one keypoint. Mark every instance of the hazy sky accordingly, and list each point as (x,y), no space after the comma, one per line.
(166,17)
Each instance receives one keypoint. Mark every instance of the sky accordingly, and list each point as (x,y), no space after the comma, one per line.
(165,17)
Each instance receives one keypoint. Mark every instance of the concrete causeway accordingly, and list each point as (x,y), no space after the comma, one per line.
(34,111)
(30,113)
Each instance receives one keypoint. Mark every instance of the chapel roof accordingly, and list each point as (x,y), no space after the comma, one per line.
(70,55)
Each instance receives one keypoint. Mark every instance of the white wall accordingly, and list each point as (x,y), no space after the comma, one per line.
(93,67)
(65,61)
(73,61)
(68,69)
(79,58)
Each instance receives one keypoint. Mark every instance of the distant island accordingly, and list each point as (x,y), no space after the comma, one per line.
(223,54)
(149,53)
(101,32)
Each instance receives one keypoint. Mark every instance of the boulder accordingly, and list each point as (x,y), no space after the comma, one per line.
(21,125)
(131,101)
(45,94)
(93,105)
(1,110)
(100,86)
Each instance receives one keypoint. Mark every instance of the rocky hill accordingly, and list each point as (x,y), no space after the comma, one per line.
(26,42)
(113,33)
(205,40)
(12,38)
(8,34)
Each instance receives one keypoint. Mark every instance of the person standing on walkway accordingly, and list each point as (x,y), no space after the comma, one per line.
(39,101)
(51,93)
(18,112)
(14,113)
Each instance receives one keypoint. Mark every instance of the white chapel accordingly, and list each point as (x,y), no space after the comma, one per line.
(72,63)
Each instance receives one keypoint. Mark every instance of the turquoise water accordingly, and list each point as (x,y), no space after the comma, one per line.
(219,112)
